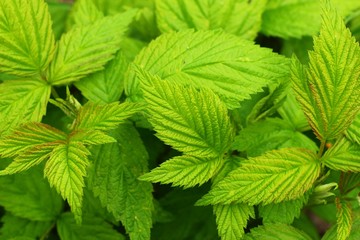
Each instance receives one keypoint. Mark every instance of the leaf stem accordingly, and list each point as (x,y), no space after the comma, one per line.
(54,93)
(322,148)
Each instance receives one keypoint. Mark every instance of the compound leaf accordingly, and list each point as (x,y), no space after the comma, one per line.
(343,156)
(105,86)
(114,180)
(91,228)
(192,121)
(105,116)
(27,41)
(28,195)
(239,17)
(232,219)
(344,219)
(279,175)
(65,171)
(328,88)
(185,171)
(232,67)
(22,101)
(276,232)
(86,49)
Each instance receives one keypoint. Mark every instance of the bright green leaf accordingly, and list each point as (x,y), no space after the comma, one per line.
(331,234)
(239,17)
(27,41)
(91,228)
(105,116)
(86,49)
(344,219)
(276,176)
(328,88)
(232,67)
(105,86)
(283,212)
(84,12)
(185,171)
(65,171)
(22,101)
(14,227)
(113,179)
(91,137)
(276,232)
(59,12)
(353,132)
(232,219)
(28,195)
(192,121)
(343,156)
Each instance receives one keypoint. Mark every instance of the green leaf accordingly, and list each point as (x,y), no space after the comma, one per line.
(105,86)
(86,49)
(91,228)
(27,41)
(185,171)
(28,195)
(30,144)
(273,133)
(65,171)
(59,13)
(91,137)
(239,17)
(14,227)
(84,12)
(192,121)
(328,88)
(232,219)
(279,175)
(344,219)
(28,136)
(353,132)
(276,232)
(232,67)
(283,212)
(105,116)
(291,18)
(22,101)
(343,156)
(113,179)
(332,233)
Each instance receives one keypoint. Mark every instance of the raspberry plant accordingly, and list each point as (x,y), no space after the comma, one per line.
(179,119)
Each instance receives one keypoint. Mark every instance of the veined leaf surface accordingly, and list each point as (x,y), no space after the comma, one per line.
(344,219)
(276,176)
(185,171)
(328,88)
(192,121)
(232,67)
(276,232)
(86,49)
(22,101)
(65,171)
(240,17)
(27,43)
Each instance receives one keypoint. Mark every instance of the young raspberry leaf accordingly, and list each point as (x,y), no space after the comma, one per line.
(95,116)
(232,67)
(353,132)
(65,170)
(328,87)
(232,219)
(22,101)
(279,175)
(86,49)
(27,41)
(239,17)
(276,231)
(195,122)
(185,171)
(343,156)
(344,218)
